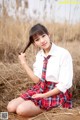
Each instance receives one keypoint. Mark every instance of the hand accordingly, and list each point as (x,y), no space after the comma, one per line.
(22,58)
(38,95)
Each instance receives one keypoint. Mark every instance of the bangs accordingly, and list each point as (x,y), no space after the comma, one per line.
(36,34)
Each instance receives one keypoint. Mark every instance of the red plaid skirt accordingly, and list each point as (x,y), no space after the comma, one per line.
(61,99)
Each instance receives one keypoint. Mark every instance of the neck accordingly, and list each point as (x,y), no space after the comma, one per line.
(47,50)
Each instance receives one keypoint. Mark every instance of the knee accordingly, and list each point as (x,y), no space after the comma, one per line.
(10,107)
(20,110)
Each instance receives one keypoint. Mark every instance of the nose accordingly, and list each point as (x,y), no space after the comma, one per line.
(41,40)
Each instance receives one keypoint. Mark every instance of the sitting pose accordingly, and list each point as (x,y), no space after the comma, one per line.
(52,74)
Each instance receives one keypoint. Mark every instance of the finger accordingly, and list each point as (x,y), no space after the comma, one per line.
(34,96)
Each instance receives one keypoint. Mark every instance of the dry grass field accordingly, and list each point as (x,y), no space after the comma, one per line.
(14,80)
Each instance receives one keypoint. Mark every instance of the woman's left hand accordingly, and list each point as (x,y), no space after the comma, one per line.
(38,95)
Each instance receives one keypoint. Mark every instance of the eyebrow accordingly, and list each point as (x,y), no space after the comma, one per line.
(36,38)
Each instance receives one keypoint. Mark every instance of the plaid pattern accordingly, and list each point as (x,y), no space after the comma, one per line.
(61,99)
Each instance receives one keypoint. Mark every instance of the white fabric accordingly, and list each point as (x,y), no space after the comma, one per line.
(59,68)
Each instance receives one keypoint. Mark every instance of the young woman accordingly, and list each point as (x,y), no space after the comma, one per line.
(52,74)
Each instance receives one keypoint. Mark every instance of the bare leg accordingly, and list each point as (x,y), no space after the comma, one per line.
(13,104)
(28,109)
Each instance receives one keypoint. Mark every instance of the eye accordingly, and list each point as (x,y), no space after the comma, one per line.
(43,35)
(36,40)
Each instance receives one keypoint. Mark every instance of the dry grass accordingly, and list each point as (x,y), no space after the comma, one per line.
(13,37)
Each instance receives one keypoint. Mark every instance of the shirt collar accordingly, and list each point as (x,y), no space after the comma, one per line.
(51,52)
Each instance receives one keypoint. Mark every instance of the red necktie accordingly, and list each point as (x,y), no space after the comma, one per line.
(43,78)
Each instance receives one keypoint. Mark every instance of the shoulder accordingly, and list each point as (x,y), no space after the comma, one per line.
(62,51)
(62,54)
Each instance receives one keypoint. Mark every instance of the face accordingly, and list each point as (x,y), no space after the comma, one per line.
(42,41)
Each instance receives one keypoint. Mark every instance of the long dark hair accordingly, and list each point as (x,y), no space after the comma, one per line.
(36,29)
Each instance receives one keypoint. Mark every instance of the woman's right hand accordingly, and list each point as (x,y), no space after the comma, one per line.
(22,58)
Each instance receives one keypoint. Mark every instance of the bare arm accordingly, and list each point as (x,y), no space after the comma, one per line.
(52,92)
(30,73)
(55,91)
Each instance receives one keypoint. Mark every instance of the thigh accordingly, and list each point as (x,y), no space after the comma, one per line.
(28,109)
(13,104)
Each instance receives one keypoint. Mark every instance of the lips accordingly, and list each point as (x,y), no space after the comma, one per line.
(44,44)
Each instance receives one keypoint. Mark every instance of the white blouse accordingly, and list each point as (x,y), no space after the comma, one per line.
(59,67)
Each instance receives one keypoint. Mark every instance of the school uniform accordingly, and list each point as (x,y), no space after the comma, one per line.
(55,70)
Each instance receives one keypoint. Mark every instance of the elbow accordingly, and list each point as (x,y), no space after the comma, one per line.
(64,87)
(36,79)
(69,86)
